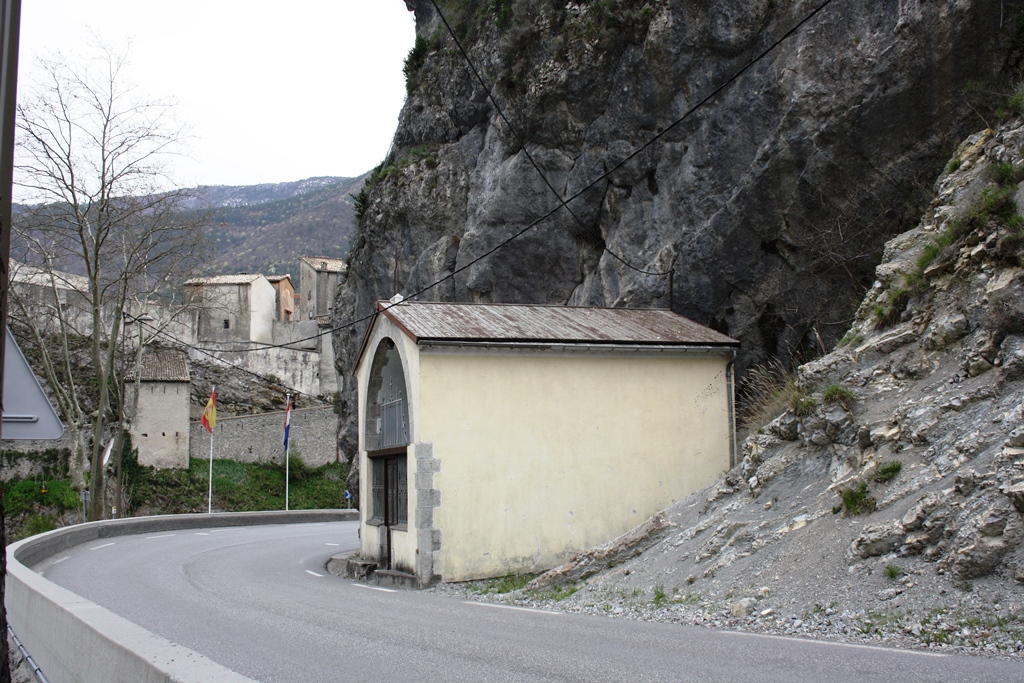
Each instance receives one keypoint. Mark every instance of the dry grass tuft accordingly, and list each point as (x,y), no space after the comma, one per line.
(766,392)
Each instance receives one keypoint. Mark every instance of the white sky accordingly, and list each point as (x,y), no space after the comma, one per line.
(272,91)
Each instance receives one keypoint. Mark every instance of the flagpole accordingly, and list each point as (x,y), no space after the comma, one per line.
(209,498)
(287,450)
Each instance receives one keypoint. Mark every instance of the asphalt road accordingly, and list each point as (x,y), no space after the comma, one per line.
(259,601)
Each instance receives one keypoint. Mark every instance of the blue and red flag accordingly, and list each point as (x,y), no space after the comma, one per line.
(287,422)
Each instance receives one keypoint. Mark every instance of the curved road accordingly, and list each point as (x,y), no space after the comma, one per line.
(259,601)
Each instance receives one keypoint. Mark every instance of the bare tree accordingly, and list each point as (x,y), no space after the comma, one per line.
(92,153)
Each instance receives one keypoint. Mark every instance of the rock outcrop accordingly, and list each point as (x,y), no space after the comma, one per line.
(759,197)
(886,500)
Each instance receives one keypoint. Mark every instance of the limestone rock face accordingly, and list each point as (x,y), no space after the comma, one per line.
(769,200)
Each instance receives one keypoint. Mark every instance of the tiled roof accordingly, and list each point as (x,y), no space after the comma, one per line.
(163,365)
(24,273)
(279,278)
(324,264)
(552,324)
(240,279)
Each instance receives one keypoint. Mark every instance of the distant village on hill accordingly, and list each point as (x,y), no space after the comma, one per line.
(248,322)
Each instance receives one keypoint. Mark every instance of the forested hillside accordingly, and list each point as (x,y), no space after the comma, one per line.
(265,228)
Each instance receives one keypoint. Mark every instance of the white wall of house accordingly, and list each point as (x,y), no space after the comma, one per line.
(520,459)
(262,310)
(160,430)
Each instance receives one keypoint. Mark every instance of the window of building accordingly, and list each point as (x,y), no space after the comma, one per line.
(389,490)
(227,324)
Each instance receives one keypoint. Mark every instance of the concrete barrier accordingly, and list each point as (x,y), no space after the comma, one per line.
(72,639)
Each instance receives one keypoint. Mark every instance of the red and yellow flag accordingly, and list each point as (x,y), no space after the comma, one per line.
(209,420)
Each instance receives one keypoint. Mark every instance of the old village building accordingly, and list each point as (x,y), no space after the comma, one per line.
(505,438)
(160,428)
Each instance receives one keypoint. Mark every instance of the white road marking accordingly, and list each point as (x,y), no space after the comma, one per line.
(160,536)
(374,588)
(520,609)
(834,644)
(58,561)
(335,544)
(201,533)
(309,571)
(97,547)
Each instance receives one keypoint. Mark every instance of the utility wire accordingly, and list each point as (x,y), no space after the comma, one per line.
(564,202)
(522,141)
(157,331)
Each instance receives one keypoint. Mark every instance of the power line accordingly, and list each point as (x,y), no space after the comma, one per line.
(522,142)
(157,331)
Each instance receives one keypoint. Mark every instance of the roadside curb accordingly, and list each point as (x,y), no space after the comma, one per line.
(72,639)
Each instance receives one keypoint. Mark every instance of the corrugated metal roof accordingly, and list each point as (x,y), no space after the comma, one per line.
(240,279)
(164,365)
(324,264)
(427,321)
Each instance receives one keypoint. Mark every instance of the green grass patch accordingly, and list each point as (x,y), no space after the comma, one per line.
(857,500)
(29,495)
(802,406)
(893,571)
(556,593)
(237,487)
(888,471)
(36,524)
(659,596)
(836,394)
(1005,174)
(505,584)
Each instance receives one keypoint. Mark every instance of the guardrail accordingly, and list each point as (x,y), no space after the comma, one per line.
(73,640)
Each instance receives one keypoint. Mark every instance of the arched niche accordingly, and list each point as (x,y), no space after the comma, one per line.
(387,404)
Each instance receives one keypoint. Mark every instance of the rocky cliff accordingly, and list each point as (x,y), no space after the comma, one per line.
(885,500)
(761,151)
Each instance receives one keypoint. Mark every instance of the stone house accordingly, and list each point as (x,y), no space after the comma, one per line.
(285,296)
(160,429)
(232,308)
(39,290)
(500,439)
(319,277)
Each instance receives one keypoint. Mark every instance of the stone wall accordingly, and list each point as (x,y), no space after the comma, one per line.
(23,459)
(259,438)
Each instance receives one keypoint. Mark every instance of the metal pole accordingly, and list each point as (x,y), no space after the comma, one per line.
(10,25)
(287,450)
(209,507)
(209,497)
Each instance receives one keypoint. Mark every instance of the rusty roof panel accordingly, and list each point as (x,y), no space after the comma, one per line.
(429,321)
(164,365)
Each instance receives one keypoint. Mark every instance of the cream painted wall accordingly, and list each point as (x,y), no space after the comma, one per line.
(160,429)
(546,454)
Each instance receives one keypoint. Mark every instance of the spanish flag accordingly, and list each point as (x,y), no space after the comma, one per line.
(209,420)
